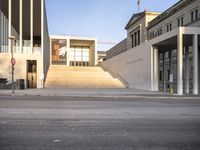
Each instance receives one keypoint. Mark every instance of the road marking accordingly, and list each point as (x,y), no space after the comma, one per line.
(56,141)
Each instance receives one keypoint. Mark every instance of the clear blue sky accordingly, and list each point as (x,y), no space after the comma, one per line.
(101,19)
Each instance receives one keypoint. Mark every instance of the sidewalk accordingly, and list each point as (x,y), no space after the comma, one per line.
(129,93)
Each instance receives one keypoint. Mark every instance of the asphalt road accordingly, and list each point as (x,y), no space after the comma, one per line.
(67,123)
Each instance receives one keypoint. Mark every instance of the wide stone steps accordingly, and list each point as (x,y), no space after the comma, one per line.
(80,77)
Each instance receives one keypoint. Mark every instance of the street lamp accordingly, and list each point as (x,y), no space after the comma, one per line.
(12,38)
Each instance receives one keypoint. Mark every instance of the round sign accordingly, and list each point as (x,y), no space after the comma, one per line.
(13,62)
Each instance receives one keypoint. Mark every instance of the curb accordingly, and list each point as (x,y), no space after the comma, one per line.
(146,96)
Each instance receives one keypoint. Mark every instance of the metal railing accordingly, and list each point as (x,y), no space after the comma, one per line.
(115,75)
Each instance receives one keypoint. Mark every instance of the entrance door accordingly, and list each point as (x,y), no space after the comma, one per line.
(31,74)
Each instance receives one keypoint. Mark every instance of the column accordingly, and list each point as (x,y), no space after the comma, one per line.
(0,28)
(180,63)
(187,71)
(31,24)
(42,27)
(9,24)
(195,65)
(152,68)
(171,70)
(68,52)
(20,26)
(4,33)
(164,81)
(155,66)
(42,39)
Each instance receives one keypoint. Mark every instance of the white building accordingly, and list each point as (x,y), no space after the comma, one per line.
(73,51)
(26,21)
(164,54)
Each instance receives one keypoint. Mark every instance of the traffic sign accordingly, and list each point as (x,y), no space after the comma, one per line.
(13,61)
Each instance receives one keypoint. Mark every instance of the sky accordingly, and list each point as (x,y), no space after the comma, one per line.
(101,19)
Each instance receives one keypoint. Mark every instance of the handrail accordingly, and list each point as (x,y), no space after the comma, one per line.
(115,75)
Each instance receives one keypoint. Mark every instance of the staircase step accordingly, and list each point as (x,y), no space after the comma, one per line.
(80,77)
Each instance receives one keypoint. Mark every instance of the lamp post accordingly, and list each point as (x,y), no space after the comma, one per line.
(12,38)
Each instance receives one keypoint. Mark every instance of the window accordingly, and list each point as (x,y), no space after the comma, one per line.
(138,37)
(135,38)
(169,27)
(132,41)
(194,15)
(160,76)
(78,54)
(159,31)
(151,35)
(180,21)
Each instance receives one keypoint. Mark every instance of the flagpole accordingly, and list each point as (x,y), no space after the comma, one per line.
(138,4)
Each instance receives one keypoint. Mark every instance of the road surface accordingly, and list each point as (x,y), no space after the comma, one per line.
(80,123)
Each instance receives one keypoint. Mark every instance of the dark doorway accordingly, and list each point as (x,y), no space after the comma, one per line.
(31,74)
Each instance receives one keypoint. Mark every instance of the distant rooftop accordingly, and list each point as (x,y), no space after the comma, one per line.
(173,9)
(137,16)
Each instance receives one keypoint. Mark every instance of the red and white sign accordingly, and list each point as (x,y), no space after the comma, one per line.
(13,61)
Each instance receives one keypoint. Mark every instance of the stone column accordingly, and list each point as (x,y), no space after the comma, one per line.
(164,81)
(31,24)
(42,28)
(195,65)
(9,24)
(187,71)
(155,69)
(20,26)
(180,63)
(0,28)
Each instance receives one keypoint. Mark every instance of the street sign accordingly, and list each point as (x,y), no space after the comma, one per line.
(13,61)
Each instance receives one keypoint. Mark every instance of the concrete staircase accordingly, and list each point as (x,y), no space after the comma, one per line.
(80,77)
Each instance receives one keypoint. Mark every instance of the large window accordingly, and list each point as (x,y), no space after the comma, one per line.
(180,21)
(79,55)
(194,15)
(169,27)
(159,31)
(135,37)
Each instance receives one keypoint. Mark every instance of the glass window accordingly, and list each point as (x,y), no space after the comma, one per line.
(196,14)
(179,23)
(192,16)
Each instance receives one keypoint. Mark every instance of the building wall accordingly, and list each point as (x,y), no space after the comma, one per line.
(117,49)
(20,67)
(186,12)
(46,45)
(134,65)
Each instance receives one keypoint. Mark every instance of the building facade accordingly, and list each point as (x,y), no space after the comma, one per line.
(164,54)
(26,21)
(73,51)
(117,49)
